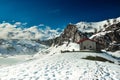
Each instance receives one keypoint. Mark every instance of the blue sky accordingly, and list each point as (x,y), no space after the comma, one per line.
(58,13)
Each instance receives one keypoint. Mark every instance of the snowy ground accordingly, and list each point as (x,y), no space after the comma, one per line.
(115,54)
(65,66)
(12,60)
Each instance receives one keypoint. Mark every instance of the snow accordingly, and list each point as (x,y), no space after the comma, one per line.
(16,30)
(115,54)
(51,64)
(99,34)
(91,26)
(12,60)
(65,47)
(67,66)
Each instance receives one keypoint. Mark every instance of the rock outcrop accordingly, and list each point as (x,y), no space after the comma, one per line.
(71,33)
(110,38)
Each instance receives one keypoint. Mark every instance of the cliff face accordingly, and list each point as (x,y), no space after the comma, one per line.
(71,33)
(110,37)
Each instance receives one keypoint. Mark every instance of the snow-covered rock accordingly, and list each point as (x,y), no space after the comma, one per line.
(110,37)
(92,26)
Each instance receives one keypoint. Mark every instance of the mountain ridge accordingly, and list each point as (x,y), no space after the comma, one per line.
(75,32)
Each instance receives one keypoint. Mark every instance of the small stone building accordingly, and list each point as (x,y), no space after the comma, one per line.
(88,44)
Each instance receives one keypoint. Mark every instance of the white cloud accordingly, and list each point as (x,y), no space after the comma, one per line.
(14,31)
(18,23)
(41,25)
(24,23)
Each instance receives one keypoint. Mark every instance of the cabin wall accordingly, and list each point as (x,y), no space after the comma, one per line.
(90,45)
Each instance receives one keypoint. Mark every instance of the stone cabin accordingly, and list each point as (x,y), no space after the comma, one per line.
(88,44)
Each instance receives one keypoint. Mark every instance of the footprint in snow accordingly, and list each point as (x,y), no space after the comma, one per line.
(35,72)
(25,75)
(68,73)
(53,75)
(85,72)
(45,74)
(13,79)
(67,78)
(37,78)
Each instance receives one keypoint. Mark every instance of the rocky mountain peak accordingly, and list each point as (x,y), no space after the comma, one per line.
(71,33)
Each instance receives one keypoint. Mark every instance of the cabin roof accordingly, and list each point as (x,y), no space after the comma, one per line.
(82,40)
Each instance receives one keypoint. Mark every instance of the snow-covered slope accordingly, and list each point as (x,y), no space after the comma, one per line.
(67,66)
(65,47)
(91,26)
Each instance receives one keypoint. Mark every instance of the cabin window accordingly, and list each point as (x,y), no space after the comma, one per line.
(84,47)
(90,47)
